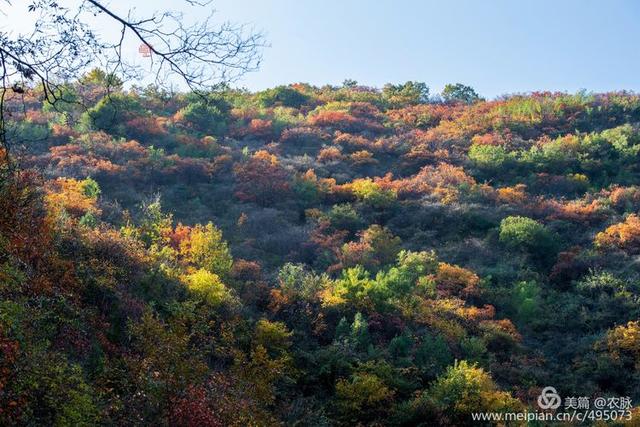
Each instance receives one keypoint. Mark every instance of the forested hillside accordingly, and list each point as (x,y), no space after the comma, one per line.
(314,256)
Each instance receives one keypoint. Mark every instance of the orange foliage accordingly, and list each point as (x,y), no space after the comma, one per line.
(343,121)
(492,138)
(145,127)
(624,235)
(261,179)
(515,195)
(362,157)
(623,197)
(69,195)
(424,115)
(455,280)
(350,141)
(329,154)
(257,128)
(443,181)
(178,235)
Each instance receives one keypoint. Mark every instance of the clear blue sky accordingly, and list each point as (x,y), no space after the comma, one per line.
(495,46)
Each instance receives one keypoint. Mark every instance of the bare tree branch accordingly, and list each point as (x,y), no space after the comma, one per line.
(63,45)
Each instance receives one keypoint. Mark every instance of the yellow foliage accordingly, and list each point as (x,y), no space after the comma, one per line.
(625,339)
(208,286)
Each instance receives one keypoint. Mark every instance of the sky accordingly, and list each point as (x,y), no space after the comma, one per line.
(496,46)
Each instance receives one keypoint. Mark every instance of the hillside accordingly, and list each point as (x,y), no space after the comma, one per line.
(315,255)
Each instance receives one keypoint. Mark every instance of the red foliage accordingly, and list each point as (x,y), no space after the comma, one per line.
(257,128)
(246,270)
(144,128)
(261,179)
(568,267)
(339,120)
(424,115)
(193,410)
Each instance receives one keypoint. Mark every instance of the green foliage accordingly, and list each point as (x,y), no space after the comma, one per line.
(464,388)
(98,77)
(273,336)
(295,280)
(282,96)
(344,217)
(112,111)
(528,234)
(88,220)
(362,398)
(526,298)
(409,93)
(208,116)
(90,188)
(491,158)
(359,333)
(154,224)
(432,356)
(333,309)
(459,93)
(400,346)
(372,194)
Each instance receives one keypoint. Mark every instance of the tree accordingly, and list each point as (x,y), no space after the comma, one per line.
(459,93)
(359,334)
(207,286)
(205,114)
(205,248)
(409,93)
(112,112)
(362,398)
(623,343)
(64,44)
(376,247)
(490,158)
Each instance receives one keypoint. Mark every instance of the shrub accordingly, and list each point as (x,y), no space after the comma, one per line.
(526,233)
(466,388)
(364,397)
(282,96)
(372,194)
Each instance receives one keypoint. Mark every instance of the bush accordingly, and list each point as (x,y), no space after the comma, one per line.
(466,388)
(282,96)
(528,234)
(372,194)
(205,117)
(490,158)
(363,398)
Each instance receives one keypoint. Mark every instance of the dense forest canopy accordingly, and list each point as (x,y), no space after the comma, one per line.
(315,255)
